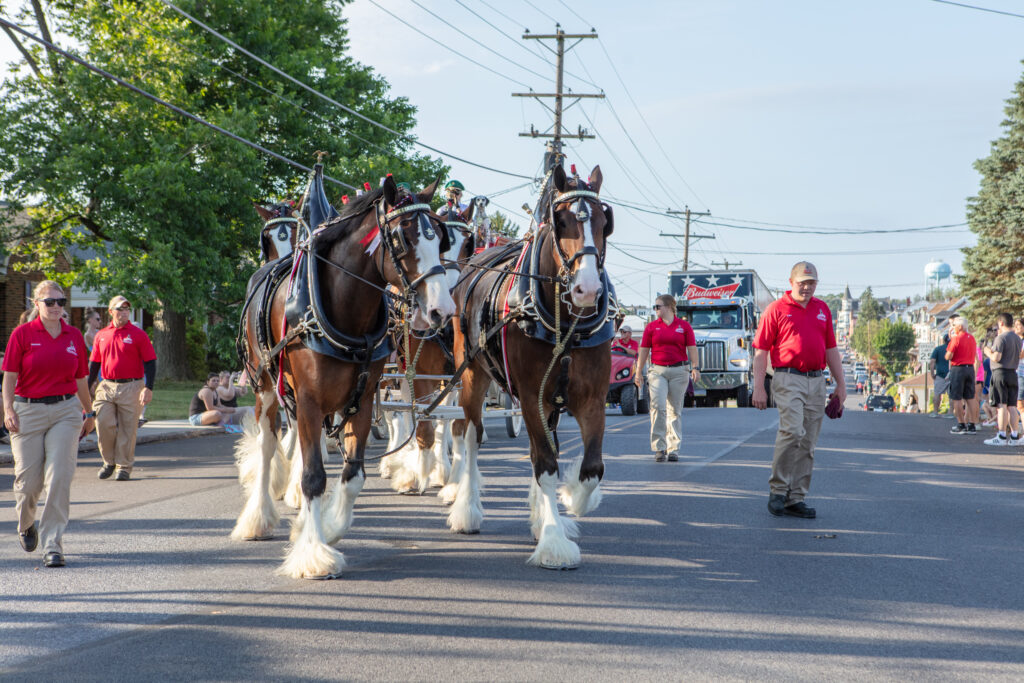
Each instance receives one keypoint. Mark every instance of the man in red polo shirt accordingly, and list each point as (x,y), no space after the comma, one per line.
(961,352)
(670,343)
(127,360)
(796,332)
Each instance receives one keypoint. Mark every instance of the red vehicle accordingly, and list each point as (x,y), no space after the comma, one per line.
(621,390)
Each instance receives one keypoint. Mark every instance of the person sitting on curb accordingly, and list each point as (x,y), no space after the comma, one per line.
(205,409)
(228,392)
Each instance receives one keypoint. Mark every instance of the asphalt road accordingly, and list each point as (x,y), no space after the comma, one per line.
(913,570)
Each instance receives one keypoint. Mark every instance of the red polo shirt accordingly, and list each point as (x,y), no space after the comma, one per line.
(796,337)
(964,349)
(631,345)
(121,351)
(46,366)
(668,342)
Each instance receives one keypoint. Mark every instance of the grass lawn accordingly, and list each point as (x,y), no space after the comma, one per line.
(171,400)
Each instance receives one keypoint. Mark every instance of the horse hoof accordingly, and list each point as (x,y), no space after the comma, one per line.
(260,538)
(409,492)
(469,532)
(557,567)
(325,577)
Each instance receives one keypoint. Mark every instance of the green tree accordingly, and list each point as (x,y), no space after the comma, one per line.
(863,338)
(165,201)
(993,279)
(870,308)
(892,342)
(834,303)
(503,225)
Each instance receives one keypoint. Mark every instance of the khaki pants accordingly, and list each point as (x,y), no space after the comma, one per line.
(117,421)
(45,451)
(801,403)
(667,389)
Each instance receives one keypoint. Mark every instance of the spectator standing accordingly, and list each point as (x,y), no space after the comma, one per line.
(45,368)
(796,332)
(938,366)
(961,352)
(625,343)
(670,344)
(125,357)
(1004,355)
(93,323)
(1018,329)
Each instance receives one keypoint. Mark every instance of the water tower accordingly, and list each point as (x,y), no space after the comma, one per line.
(935,272)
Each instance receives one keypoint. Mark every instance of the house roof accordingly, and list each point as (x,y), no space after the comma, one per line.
(915,382)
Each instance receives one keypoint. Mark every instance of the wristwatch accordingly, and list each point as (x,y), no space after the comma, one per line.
(91,413)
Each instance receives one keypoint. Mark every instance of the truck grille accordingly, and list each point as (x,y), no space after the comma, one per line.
(712,356)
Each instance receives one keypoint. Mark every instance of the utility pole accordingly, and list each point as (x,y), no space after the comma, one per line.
(687,235)
(725,263)
(554,154)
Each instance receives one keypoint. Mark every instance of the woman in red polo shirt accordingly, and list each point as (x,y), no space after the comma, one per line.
(670,344)
(45,368)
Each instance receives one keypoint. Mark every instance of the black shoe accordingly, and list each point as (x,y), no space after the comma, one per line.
(29,539)
(971,429)
(105,472)
(53,560)
(123,476)
(958,428)
(673,457)
(142,421)
(776,504)
(800,510)
(659,456)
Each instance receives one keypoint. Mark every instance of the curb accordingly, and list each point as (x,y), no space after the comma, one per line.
(90,445)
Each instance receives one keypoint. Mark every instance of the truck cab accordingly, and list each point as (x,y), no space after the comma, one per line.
(724,309)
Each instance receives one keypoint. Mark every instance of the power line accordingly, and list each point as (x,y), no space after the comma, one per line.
(541,11)
(822,232)
(980,9)
(574,12)
(832,229)
(176,109)
(834,252)
(341,106)
(471,38)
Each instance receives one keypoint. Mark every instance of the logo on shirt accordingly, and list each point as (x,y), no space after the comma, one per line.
(72,350)
(821,316)
(681,330)
(127,339)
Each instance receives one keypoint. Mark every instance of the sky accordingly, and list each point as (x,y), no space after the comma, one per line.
(808,114)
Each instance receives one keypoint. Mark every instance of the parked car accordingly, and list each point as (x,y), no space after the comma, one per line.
(829,380)
(880,403)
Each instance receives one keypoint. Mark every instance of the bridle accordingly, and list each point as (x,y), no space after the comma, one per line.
(397,246)
(582,212)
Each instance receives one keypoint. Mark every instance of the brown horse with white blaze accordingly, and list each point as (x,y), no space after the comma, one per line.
(385,237)
(567,253)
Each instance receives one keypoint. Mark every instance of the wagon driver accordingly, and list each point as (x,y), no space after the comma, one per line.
(796,332)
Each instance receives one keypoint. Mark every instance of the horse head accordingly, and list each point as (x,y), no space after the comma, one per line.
(414,238)
(461,239)
(277,238)
(580,226)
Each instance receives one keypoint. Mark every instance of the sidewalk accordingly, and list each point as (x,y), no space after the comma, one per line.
(154,430)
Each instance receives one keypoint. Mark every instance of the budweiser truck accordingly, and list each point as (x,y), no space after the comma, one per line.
(724,308)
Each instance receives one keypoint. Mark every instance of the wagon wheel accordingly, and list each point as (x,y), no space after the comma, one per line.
(378,425)
(513,423)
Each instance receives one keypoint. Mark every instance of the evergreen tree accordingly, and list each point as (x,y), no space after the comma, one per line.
(165,201)
(993,279)
(870,308)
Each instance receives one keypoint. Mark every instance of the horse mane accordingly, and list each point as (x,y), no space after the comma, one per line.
(341,226)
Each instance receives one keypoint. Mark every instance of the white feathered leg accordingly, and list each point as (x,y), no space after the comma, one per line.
(293,490)
(448,491)
(339,510)
(467,512)
(281,469)
(554,549)
(259,516)
(308,556)
(442,466)
(400,427)
(579,497)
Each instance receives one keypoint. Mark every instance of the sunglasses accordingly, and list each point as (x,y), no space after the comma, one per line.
(124,307)
(50,303)
(659,305)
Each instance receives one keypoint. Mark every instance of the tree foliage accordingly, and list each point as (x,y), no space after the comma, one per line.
(870,308)
(863,338)
(501,224)
(157,207)
(993,277)
(892,342)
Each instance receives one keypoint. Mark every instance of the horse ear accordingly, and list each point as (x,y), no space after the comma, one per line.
(558,177)
(390,191)
(265,213)
(596,178)
(609,220)
(427,193)
(467,215)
